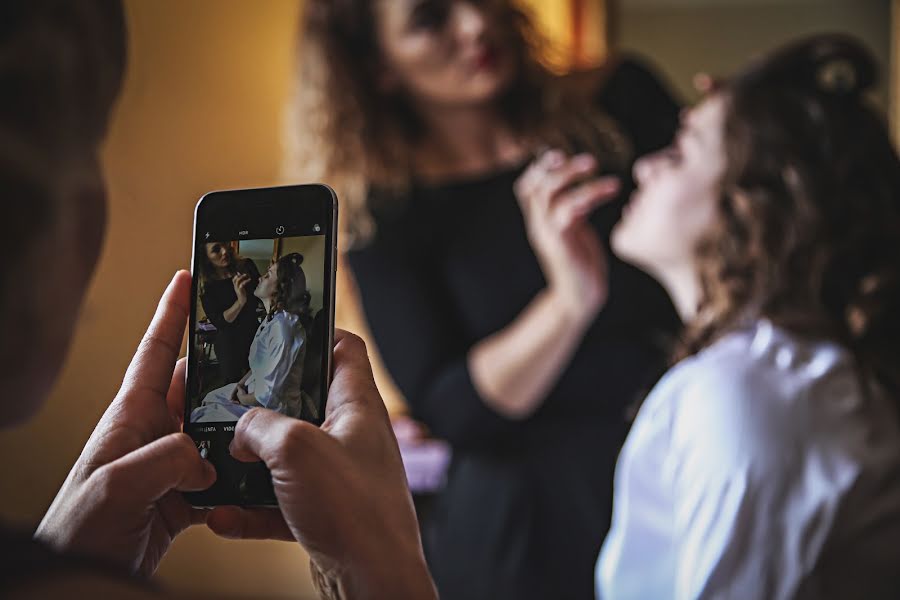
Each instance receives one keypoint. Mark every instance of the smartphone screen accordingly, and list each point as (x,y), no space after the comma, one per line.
(261,325)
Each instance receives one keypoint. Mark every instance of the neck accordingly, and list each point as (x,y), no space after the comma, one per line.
(267,303)
(683,286)
(222,272)
(465,140)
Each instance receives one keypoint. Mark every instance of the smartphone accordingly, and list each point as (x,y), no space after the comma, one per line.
(261,328)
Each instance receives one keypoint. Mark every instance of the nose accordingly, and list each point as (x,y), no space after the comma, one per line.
(643,167)
(470,22)
(647,166)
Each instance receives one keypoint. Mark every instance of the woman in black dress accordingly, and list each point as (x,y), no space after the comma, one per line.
(483,282)
(227,283)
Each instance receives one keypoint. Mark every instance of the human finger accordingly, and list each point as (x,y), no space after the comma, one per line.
(151,368)
(563,177)
(175,395)
(234,522)
(582,200)
(148,473)
(527,184)
(263,434)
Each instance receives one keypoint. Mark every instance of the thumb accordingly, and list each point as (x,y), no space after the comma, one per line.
(148,473)
(263,434)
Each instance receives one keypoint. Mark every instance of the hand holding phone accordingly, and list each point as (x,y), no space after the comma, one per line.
(120,503)
(263,277)
(341,489)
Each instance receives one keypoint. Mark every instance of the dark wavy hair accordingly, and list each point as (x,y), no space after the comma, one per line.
(809,235)
(208,271)
(351,134)
(291,293)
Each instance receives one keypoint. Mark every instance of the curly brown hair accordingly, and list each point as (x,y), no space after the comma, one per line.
(236,264)
(352,135)
(291,293)
(809,235)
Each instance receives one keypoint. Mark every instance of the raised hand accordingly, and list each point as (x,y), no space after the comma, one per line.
(240,283)
(557,195)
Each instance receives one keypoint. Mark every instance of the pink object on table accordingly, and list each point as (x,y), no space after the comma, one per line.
(426,463)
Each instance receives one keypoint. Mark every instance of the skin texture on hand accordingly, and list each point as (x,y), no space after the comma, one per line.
(557,195)
(121,503)
(341,489)
(515,368)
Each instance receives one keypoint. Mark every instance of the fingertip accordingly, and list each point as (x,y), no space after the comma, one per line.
(225,521)
(199,515)
(553,158)
(584,161)
(209,472)
(180,284)
(612,183)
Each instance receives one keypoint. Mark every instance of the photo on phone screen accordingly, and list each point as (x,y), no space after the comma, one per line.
(261,328)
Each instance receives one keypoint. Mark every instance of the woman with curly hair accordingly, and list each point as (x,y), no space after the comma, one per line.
(492,304)
(277,353)
(227,283)
(766,464)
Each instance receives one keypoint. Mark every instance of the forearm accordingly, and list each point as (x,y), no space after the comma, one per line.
(232,312)
(514,369)
(401,581)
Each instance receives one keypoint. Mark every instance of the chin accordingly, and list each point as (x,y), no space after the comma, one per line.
(628,248)
(618,241)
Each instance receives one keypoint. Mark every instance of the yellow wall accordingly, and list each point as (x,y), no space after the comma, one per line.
(683,37)
(201,110)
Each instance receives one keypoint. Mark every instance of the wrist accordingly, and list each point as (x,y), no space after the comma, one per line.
(572,310)
(398,579)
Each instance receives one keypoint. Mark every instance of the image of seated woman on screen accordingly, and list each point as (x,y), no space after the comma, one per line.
(276,355)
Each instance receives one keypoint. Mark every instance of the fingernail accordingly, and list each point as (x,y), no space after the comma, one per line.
(583,161)
(554,158)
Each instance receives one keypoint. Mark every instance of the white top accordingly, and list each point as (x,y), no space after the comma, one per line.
(276,363)
(759,468)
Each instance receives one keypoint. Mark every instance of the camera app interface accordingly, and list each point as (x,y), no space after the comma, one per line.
(259,331)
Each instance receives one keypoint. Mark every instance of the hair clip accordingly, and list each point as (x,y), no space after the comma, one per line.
(837,76)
